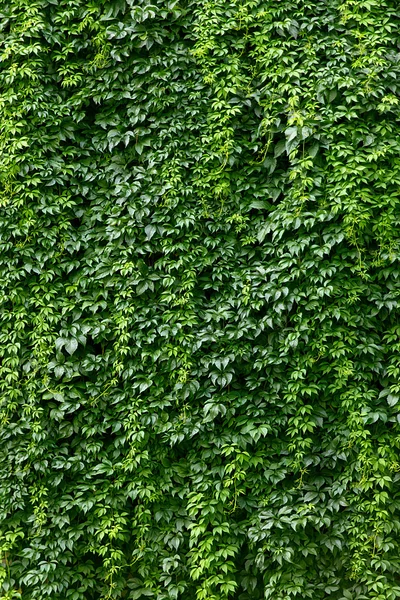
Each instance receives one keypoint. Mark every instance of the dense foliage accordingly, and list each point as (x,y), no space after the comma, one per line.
(199,287)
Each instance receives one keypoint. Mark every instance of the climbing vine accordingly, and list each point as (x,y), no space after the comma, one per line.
(199,289)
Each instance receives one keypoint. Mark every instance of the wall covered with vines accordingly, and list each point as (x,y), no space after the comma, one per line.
(199,296)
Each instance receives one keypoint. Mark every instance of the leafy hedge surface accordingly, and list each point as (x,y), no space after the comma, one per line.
(199,284)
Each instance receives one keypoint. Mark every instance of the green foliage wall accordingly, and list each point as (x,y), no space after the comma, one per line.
(199,288)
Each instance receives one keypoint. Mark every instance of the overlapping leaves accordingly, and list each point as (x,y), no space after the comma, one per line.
(199,288)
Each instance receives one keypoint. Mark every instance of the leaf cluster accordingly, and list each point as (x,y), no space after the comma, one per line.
(199,289)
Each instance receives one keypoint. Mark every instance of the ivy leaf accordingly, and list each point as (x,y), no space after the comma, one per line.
(150,231)
(71,345)
(279,148)
(392,400)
